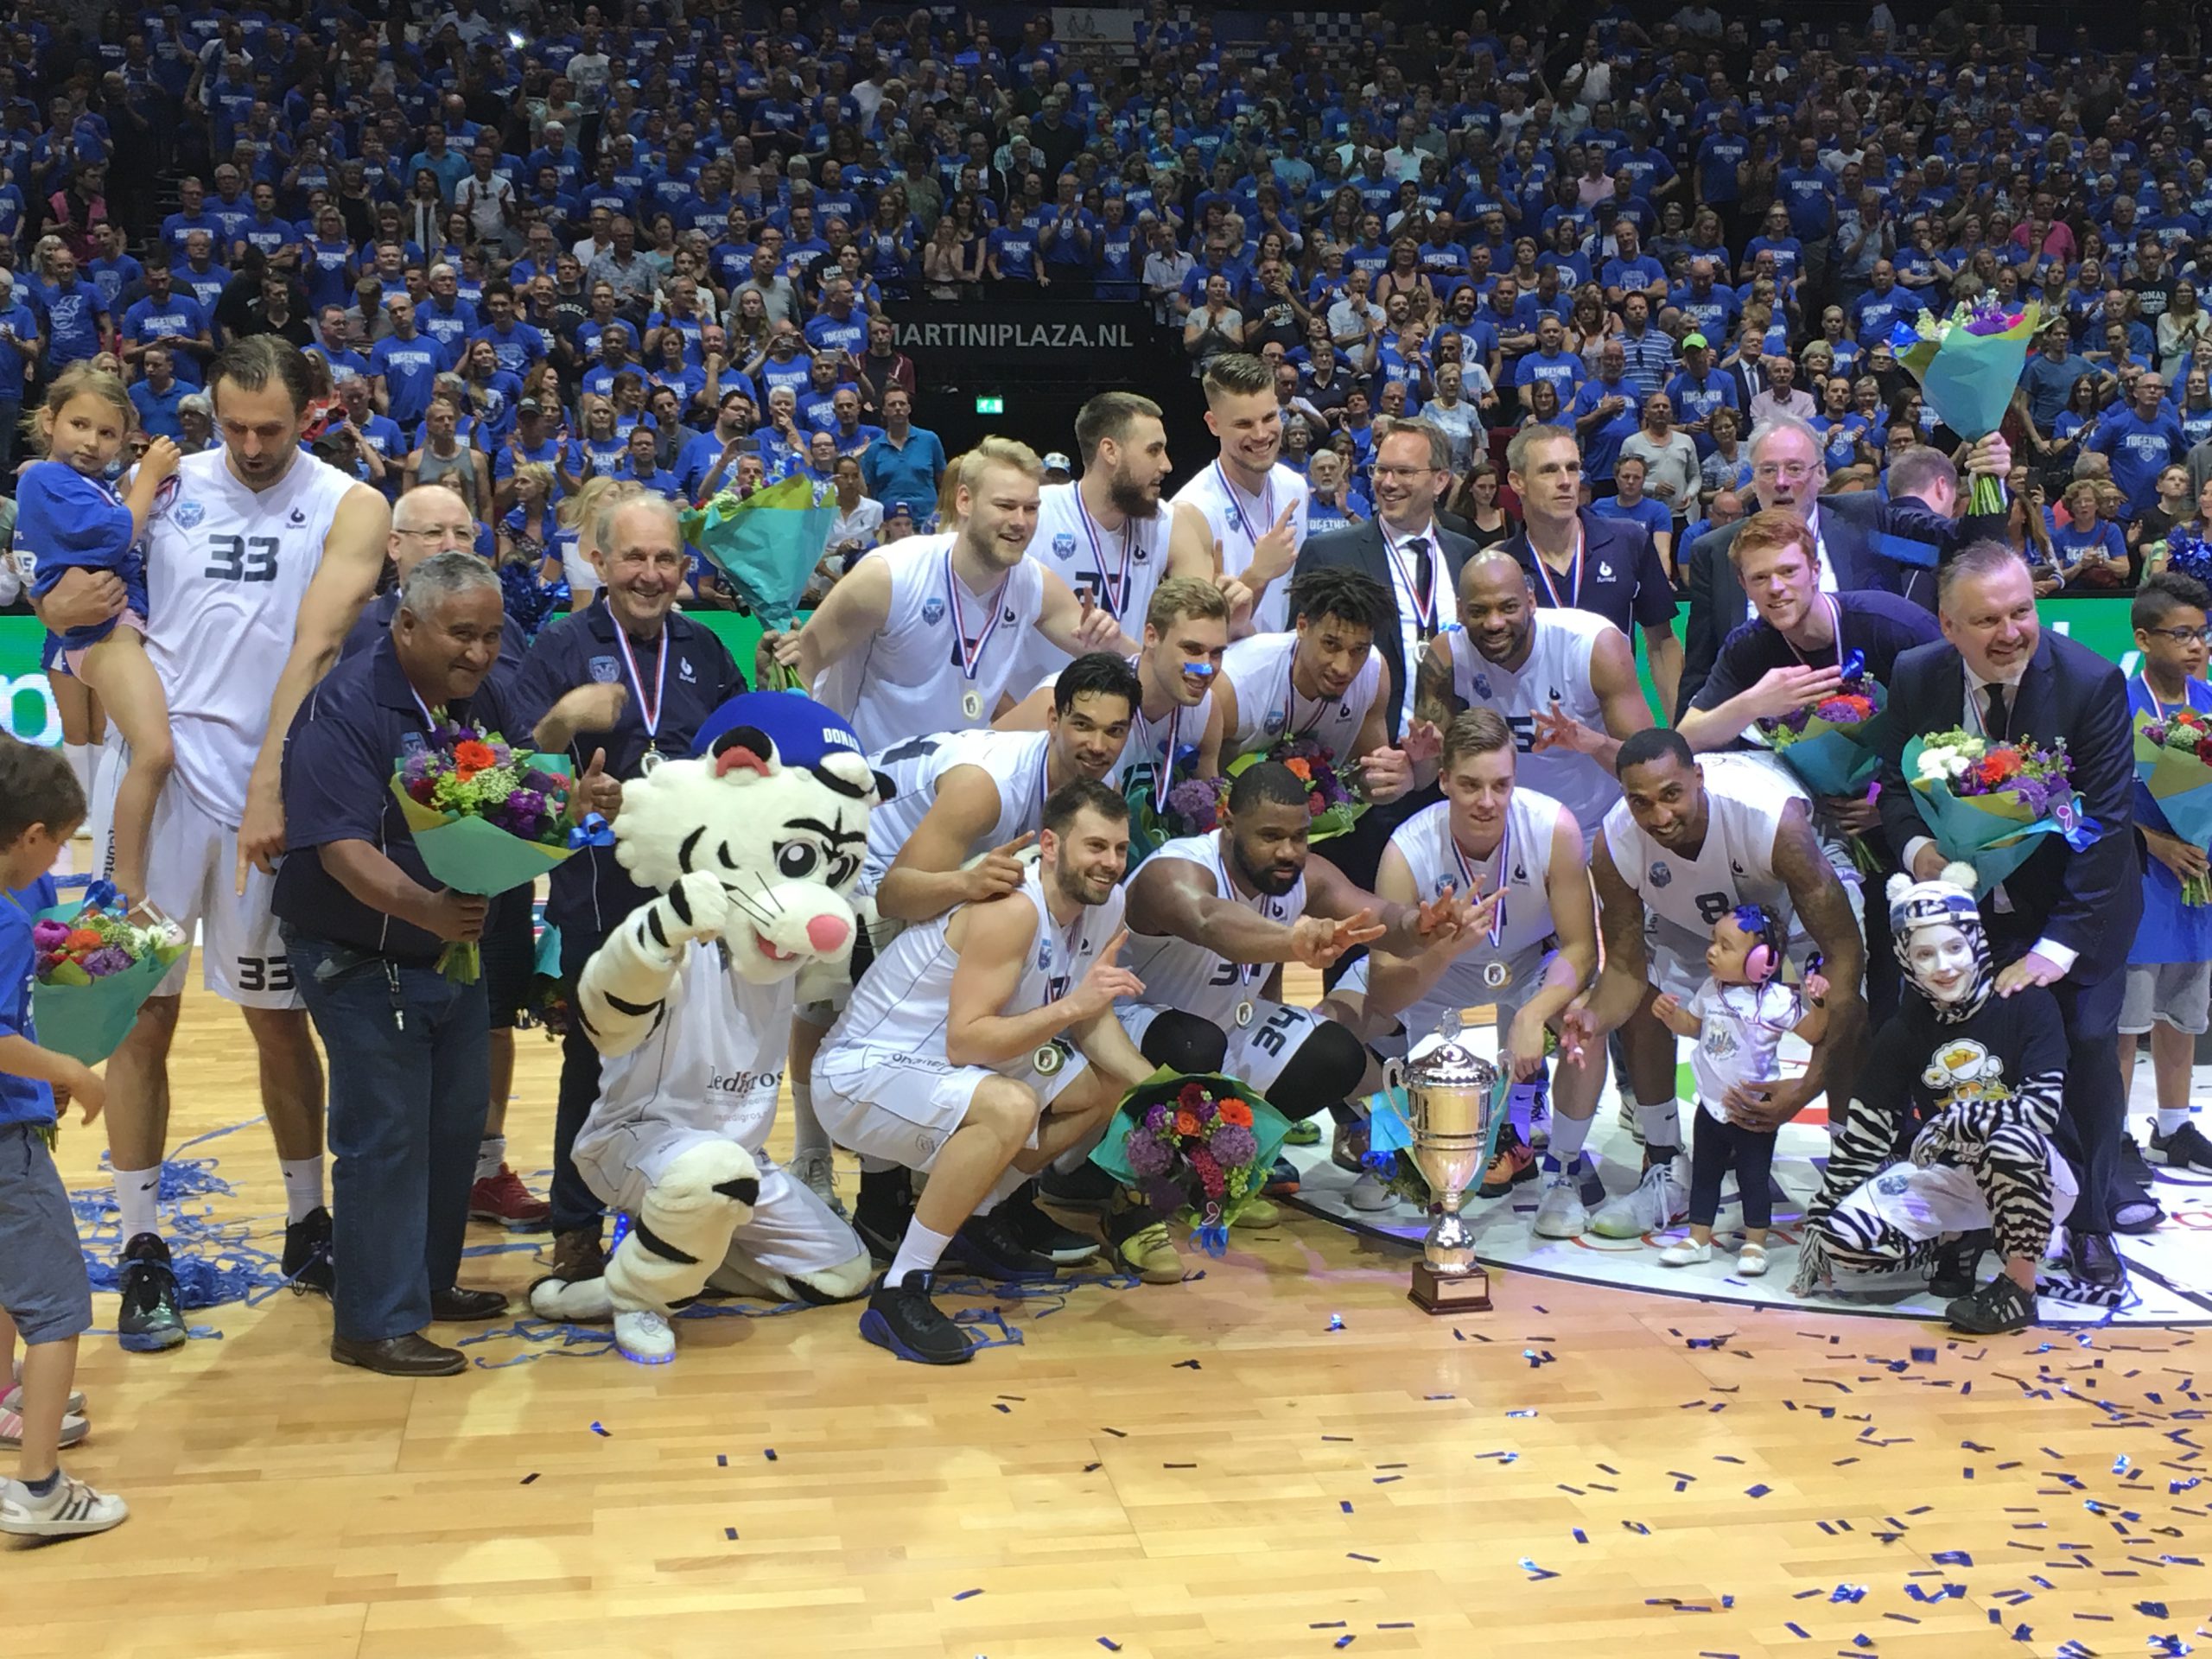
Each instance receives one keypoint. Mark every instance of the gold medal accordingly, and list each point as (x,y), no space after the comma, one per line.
(1244,1013)
(972,705)
(1048,1059)
(1496,975)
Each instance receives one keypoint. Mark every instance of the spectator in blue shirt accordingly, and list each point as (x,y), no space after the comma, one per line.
(78,324)
(2049,376)
(2141,441)
(1605,410)
(906,463)
(2089,548)
(157,394)
(1628,501)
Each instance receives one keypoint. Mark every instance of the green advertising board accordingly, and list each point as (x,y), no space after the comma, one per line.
(2099,624)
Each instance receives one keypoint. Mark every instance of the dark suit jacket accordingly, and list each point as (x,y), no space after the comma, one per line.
(1360,546)
(1852,529)
(2090,901)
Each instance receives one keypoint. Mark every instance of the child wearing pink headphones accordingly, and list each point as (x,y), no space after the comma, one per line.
(1737,1018)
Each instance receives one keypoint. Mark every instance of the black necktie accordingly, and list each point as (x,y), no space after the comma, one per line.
(1424,585)
(1998,725)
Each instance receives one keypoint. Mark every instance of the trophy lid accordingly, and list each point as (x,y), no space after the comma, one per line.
(1449,1063)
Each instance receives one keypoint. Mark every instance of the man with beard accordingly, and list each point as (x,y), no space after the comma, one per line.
(925,635)
(980,1048)
(1563,680)
(1176,733)
(1213,917)
(1109,535)
(1690,842)
(1253,506)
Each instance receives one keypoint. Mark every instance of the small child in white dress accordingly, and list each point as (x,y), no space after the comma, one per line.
(1738,1018)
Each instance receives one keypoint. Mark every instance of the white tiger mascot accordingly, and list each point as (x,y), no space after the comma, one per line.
(753,845)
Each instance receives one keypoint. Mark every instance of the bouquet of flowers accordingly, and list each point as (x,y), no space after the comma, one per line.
(1194,806)
(1985,803)
(2173,760)
(95,968)
(487,817)
(1967,365)
(1333,792)
(1204,1140)
(766,543)
(1153,819)
(1832,745)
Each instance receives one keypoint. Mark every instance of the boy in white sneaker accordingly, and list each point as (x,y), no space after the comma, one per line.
(44,1292)
(1738,1018)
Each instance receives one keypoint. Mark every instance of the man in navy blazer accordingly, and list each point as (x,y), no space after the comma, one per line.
(1418,562)
(2064,919)
(1890,546)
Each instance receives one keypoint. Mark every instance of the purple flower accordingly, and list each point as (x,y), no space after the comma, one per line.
(1147,1156)
(108,959)
(545,783)
(1234,1146)
(1195,805)
(1156,1118)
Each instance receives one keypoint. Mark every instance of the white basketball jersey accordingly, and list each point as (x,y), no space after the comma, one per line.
(226,571)
(910,677)
(1683,898)
(714,1063)
(1525,851)
(1015,759)
(1153,744)
(1237,521)
(1178,974)
(1119,569)
(1268,708)
(902,1002)
(1558,670)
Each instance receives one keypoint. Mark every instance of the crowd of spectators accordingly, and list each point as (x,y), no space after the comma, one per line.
(540,245)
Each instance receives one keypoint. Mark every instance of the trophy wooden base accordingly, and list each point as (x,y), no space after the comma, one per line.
(1436,1292)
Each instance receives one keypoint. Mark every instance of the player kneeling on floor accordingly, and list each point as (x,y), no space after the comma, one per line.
(753,845)
(980,1048)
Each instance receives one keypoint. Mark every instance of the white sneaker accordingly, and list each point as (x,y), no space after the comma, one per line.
(13,1399)
(1370,1193)
(73,1426)
(644,1335)
(1687,1253)
(1750,1262)
(1659,1201)
(1560,1212)
(817,1173)
(71,1509)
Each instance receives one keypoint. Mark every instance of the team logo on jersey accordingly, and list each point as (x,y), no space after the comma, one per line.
(186,515)
(933,612)
(1064,546)
(683,669)
(605,670)
(1555,696)
(1272,724)
(298,518)
(1044,953)
(1735,869)
(1605,571)
(1660,875)
(1521,873)
(1141,553)
(413,743)
(1007,618)
(1482,688)
(166,495)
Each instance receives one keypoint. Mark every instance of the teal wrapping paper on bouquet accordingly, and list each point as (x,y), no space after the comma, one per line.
(94,972)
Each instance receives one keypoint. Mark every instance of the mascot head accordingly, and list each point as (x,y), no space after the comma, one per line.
(774,804)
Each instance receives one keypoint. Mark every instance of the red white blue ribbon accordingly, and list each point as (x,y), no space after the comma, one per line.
(1574,583)
(1113,591)
(648,712)
(971,657)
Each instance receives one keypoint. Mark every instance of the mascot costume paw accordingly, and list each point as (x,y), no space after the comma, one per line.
(753,844)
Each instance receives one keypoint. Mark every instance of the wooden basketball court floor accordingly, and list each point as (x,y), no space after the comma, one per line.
(1279,1456)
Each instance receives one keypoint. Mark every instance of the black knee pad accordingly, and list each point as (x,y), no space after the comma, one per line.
(1183,1042)
(1326,1067)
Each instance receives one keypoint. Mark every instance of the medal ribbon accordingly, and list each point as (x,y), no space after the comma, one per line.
(648,712)
(1574,583)
(970,659)
(1245,971)
(1237,506)
(1113,591)
(1424,604)
(1469,880)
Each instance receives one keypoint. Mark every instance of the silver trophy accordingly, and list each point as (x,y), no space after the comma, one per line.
(1449,1091)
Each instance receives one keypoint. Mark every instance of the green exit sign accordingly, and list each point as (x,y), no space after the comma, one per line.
(990,405)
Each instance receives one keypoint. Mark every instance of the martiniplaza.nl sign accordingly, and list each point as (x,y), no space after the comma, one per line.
(1016,336)
(2099,624)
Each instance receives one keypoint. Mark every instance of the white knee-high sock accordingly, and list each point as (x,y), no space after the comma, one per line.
(137,1192)
(1568,1135)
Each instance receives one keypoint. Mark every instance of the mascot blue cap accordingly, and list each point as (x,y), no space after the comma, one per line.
(801,731)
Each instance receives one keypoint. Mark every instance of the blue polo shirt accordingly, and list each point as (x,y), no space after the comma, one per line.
(410,370)
(591,893)
(906,473)
(158,409)
(345,744)
(1649,512)
(1601,443)
(23,1100)
(1623,580)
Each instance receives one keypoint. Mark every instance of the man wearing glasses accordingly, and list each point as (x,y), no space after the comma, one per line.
(1861,541)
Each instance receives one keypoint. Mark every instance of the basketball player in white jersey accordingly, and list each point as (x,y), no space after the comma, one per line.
(1212,916)
(1690,840)
(925,634)
(1109,535)
(1530,948)
(1176,733)
(1326,680)
(1254,504)
(980,1048)
(1564,681)
(258,561)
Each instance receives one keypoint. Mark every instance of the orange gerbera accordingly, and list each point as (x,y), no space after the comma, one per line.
(1996,767)
(1186,1123)
(470,757)
(1237,1112)
(1302,766)
(83,939)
